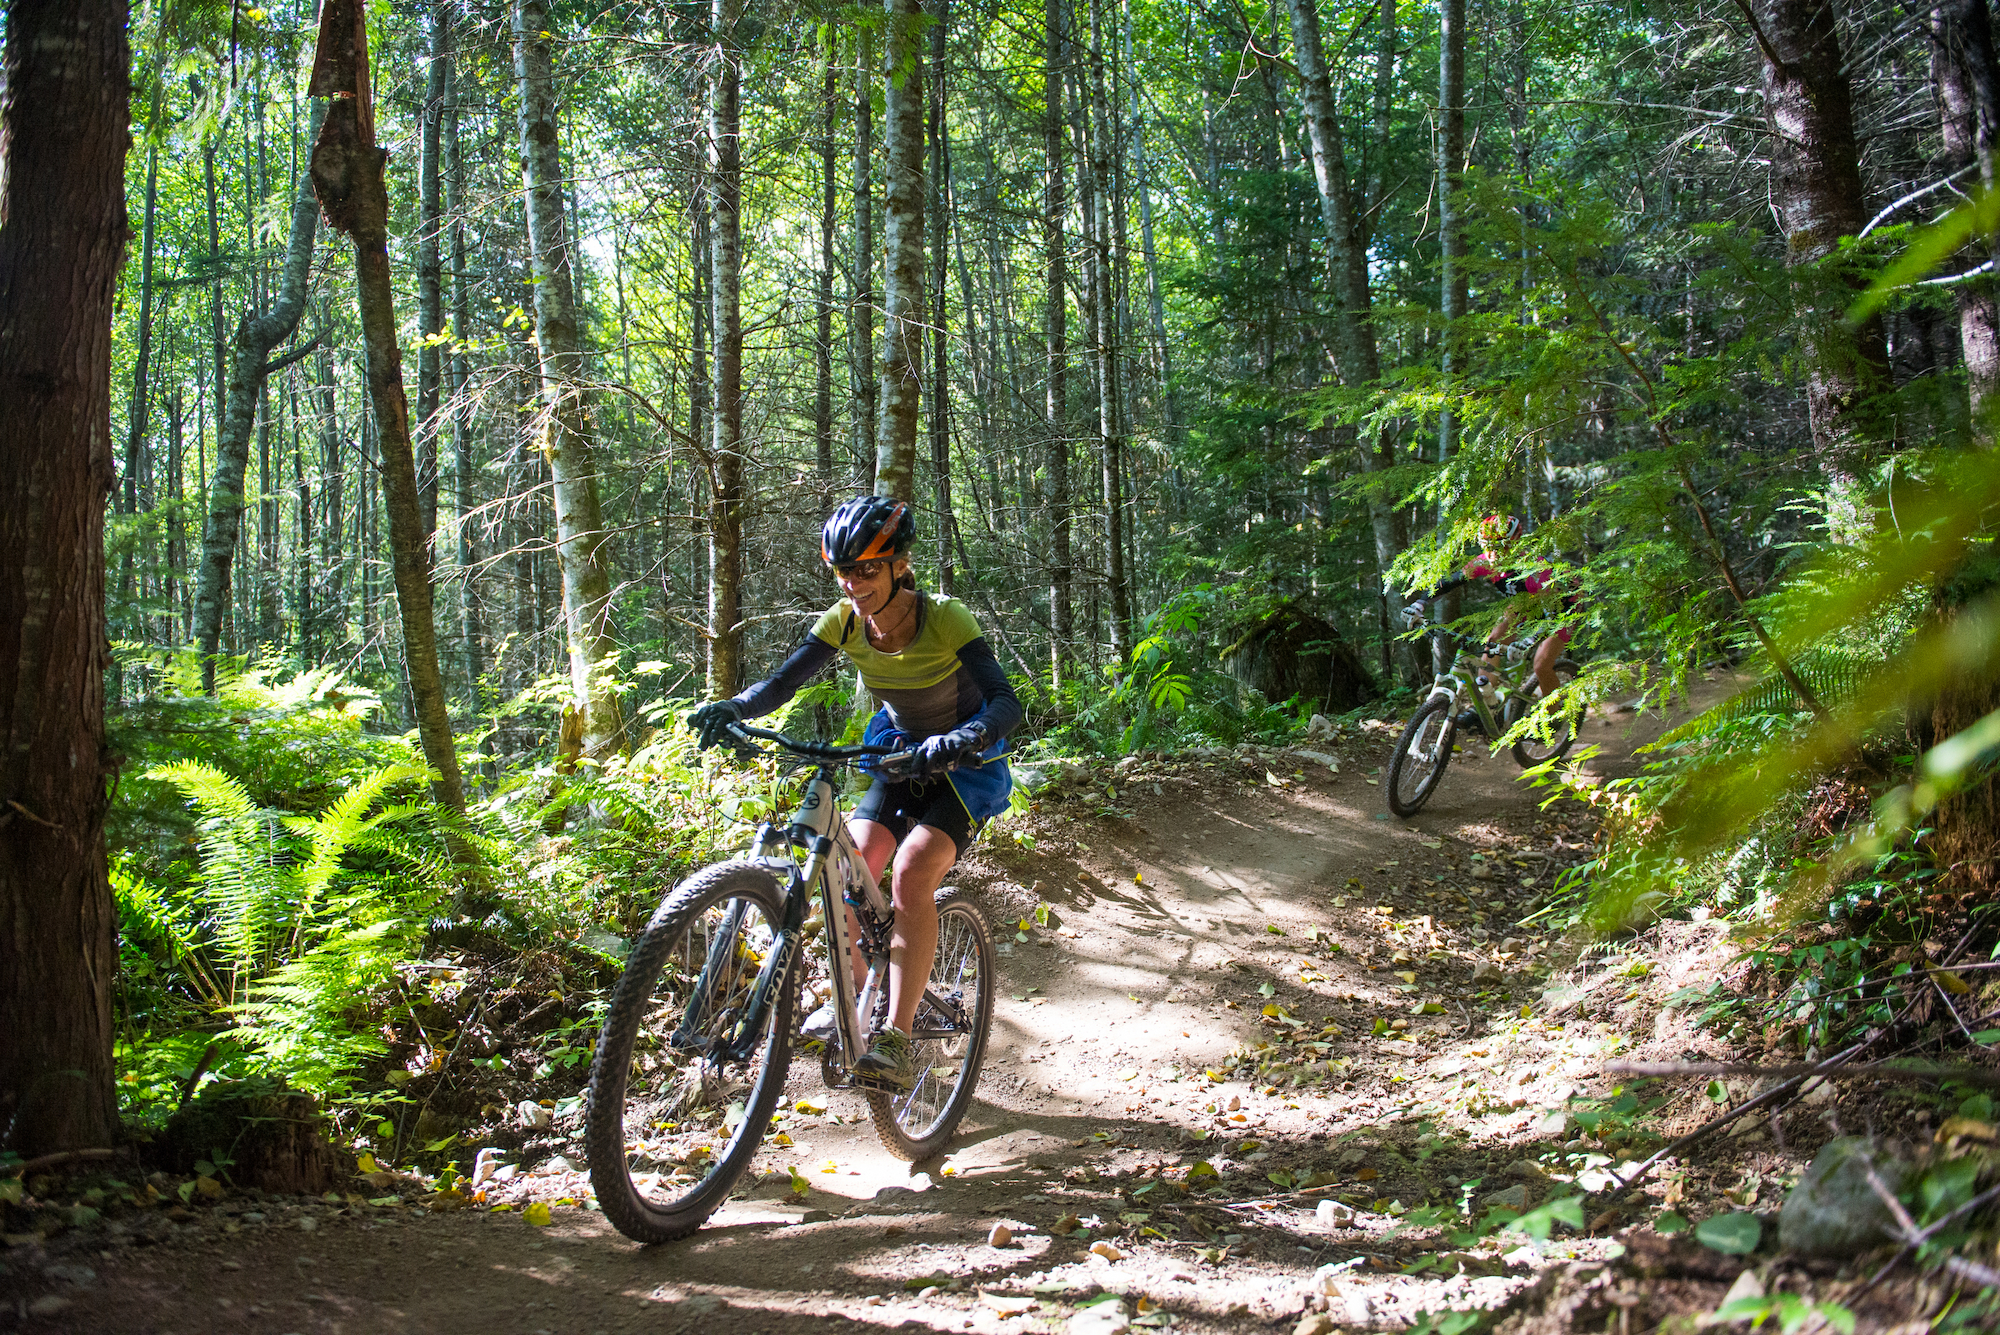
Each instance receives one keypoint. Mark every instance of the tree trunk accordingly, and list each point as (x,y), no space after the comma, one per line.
(940,415)
(64,83)
(725,508)
(1055,314)
(1817,193)
(256,336)
(1358,356)
(1968,86)
(1163,361)
(1104,338)
(430,281)
(470,630)
(142,357)
(347,175)
(861,310)
(1451,249)
(566,428)
(823,331)
(903,241)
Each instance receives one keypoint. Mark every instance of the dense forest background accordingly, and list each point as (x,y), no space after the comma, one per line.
(1199,335)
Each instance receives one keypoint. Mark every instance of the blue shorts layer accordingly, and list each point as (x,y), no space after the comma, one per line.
(983,791)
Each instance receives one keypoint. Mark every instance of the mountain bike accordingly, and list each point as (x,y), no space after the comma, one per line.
(1499,695)
(696,1045)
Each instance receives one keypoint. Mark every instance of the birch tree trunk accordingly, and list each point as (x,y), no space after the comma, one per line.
(430,279)
(940,415)
(1451,248)
(347,176)
(1055,315)
(64,81)
(1817,193)
(861,308)
(902,387)
(1358,355)
(725,509)
(823,330)
(1968,86)
(256,335)
(1104,338)
(566,430)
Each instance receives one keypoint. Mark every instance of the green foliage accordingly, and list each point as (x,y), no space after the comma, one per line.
(287,923)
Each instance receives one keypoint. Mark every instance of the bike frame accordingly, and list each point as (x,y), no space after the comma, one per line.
(1452,685)
(832,868)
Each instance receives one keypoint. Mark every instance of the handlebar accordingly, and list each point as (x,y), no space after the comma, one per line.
(894,763)
(744,732)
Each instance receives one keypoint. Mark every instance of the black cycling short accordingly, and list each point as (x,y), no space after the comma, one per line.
(903,805)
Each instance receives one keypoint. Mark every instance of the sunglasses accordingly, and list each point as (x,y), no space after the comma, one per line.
(860,570)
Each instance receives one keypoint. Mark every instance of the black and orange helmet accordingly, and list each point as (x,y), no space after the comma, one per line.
(867,528)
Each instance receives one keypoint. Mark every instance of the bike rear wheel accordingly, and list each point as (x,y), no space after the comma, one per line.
(1532,750)
(676,1071)
(1422,753)
(949,1037)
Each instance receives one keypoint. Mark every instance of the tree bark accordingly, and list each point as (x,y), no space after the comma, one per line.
(901,394)
(256,336)
(430,279)
(347,176)
(1817,192)
(940,414)
(1104,338)
(823,330)
(1451,250)
(725,508)
(64,84)
(470,630)
(142,356)
(567,433)
(1964,69)
(1055,315)
(861,309)
(1358,355)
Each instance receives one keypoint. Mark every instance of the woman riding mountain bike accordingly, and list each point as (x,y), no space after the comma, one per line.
(939,690)
(1497,535)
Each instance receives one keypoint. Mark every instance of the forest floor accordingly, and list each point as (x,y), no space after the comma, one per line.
(1249,967)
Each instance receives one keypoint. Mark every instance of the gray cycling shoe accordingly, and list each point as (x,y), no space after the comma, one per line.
(889,1065)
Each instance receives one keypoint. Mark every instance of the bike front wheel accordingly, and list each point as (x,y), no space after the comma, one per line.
(1422,753)
(691,1061)
(948,1037)
(1532,750)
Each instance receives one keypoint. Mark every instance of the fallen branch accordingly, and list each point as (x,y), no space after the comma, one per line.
(1971,1075)
(56,1160)
(1914,1237)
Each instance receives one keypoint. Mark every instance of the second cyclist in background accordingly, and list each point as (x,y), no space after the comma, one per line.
(940,690)
(1498,534)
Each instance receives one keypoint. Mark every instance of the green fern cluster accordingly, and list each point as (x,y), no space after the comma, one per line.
(289,921)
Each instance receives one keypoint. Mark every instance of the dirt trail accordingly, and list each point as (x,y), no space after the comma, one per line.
(1201,892)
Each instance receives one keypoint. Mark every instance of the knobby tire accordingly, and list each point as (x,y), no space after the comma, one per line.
(918,1124)
(1409,770)
(1531,751)
(641,1135)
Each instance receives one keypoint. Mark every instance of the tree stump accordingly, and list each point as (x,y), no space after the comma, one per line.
(1290,652)
(261,1135)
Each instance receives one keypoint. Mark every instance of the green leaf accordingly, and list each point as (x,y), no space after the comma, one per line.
(1670,1223)
(1734,1234)
(1541,1220)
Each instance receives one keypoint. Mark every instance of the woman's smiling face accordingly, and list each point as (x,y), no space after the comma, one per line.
(871,589)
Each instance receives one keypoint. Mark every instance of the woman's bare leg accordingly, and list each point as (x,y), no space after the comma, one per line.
(921,865)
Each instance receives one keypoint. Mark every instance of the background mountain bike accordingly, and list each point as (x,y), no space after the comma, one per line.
(1499,694)
(693,1055)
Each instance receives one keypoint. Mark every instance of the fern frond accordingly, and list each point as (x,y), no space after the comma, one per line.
(1833,674)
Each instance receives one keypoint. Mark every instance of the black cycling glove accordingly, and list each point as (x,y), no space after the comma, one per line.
(940,753)
(711,720)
